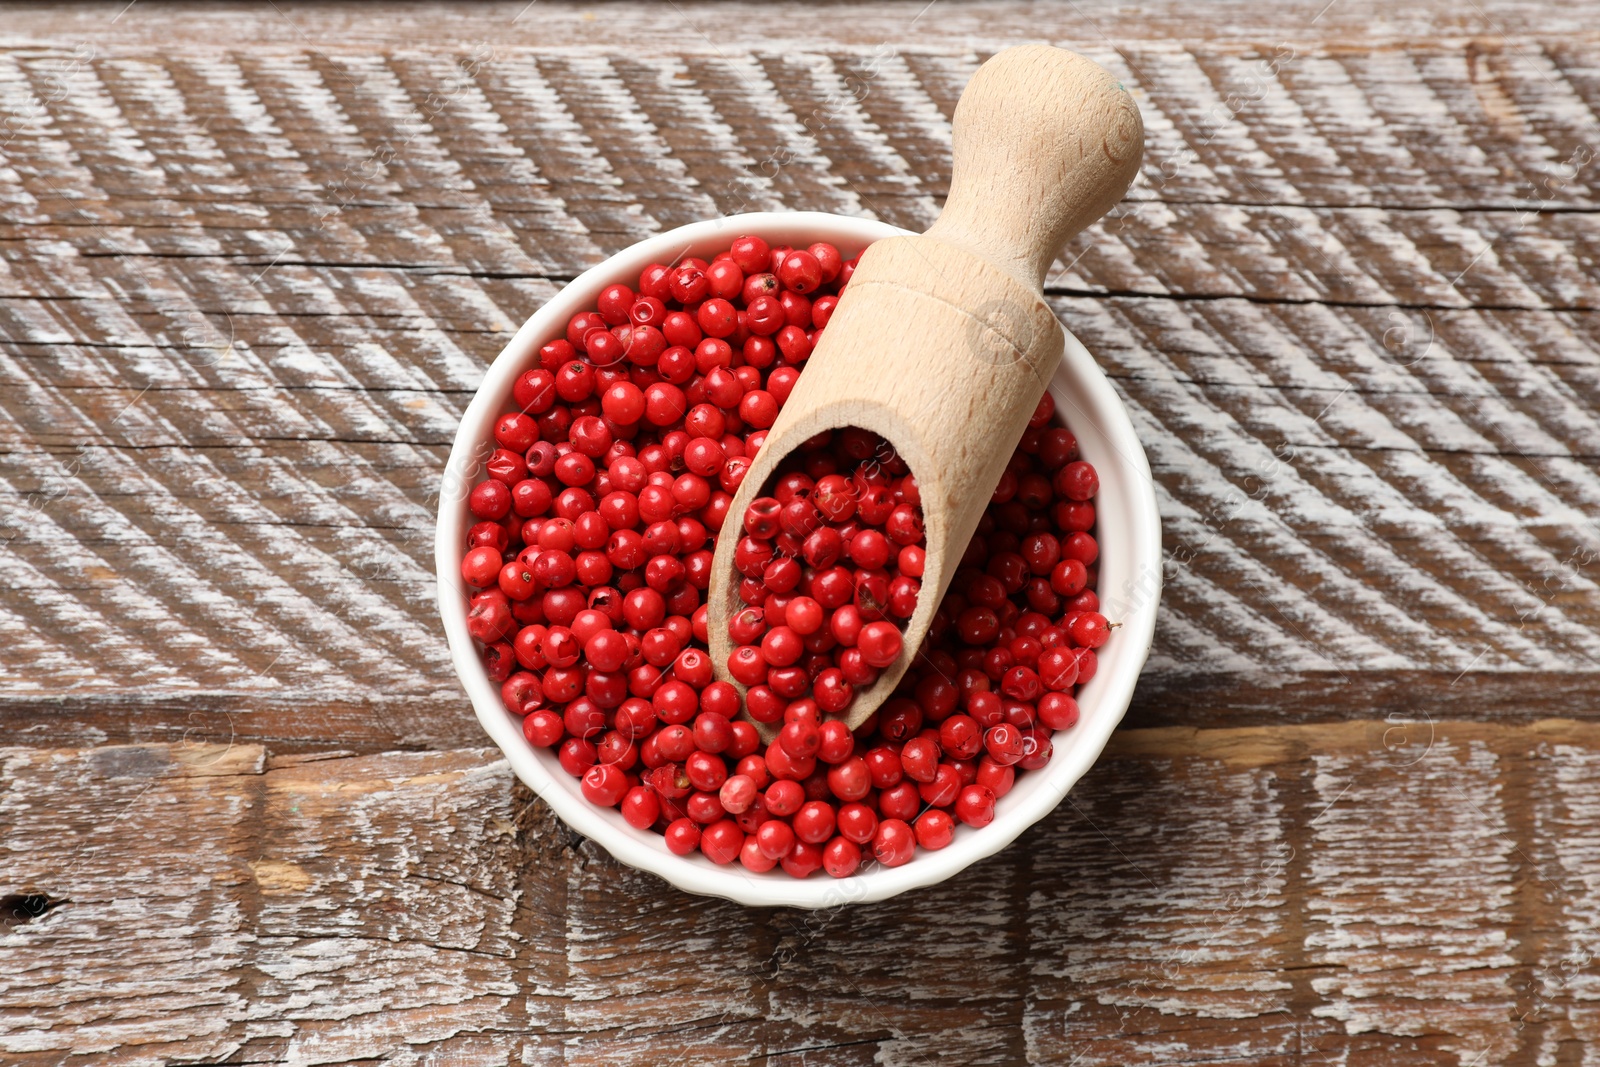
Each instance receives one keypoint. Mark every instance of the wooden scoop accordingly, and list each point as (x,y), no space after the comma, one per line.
(942,343)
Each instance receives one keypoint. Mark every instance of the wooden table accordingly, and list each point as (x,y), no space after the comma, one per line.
(253,261)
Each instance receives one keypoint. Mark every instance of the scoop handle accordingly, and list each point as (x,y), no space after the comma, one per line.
(1044,142)
(942,343)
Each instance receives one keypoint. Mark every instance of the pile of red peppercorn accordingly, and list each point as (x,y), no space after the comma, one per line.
(814,627)
(591,556)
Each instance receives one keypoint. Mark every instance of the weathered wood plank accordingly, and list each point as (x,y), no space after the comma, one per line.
(235,957)
(245,294)
(649,29)
(1284,895)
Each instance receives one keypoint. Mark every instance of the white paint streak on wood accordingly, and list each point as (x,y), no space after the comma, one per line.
(1438,886)
(503,174)
(1310,106)
(1425,503)
(922,125)
(1212,127)
(1138,927)
(376,915)
(1563,864)
(839,118)
(635,142)
(1353,416)
(789,151)
(1237,507)
(1241,894)
(533,108)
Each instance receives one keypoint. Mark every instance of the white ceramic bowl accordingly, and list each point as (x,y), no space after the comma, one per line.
(1128,530)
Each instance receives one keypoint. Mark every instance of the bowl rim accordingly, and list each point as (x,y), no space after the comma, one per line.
(1091,409)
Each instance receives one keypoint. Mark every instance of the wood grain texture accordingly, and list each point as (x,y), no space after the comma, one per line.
(253,260)
(1211,896)
(247,288)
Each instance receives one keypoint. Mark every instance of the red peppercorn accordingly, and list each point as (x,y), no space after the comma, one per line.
(775,838)
(762,704)
(883,764)
(481,567)
(997,776)
(752,859)
(960,736)
(942,791)
(576,756)
(832,692)
(751,253)
(975,805)
(880,643)
(894,843)
(804,860)
(934,829)
(1021,683)
(745,741)
(784,797)
(758,408)
(737,794)
(837,743)
(675,702)
(522,694)
(856,822)
(1036,750)
(800,739)
(814,822)
(489,617)
(1089,629)
(714,733)
(641,808)
(688,284)
(1058,711)
(850,780)
(781,646)
(1077,481)
(604,784)
(919,759)
(841,857)
(682,836)
(829,261)
(722,841)
(800,272)
(489,500)
(1003,743)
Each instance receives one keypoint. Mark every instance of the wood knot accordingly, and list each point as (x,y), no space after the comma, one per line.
(1124,135)
(19,908)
